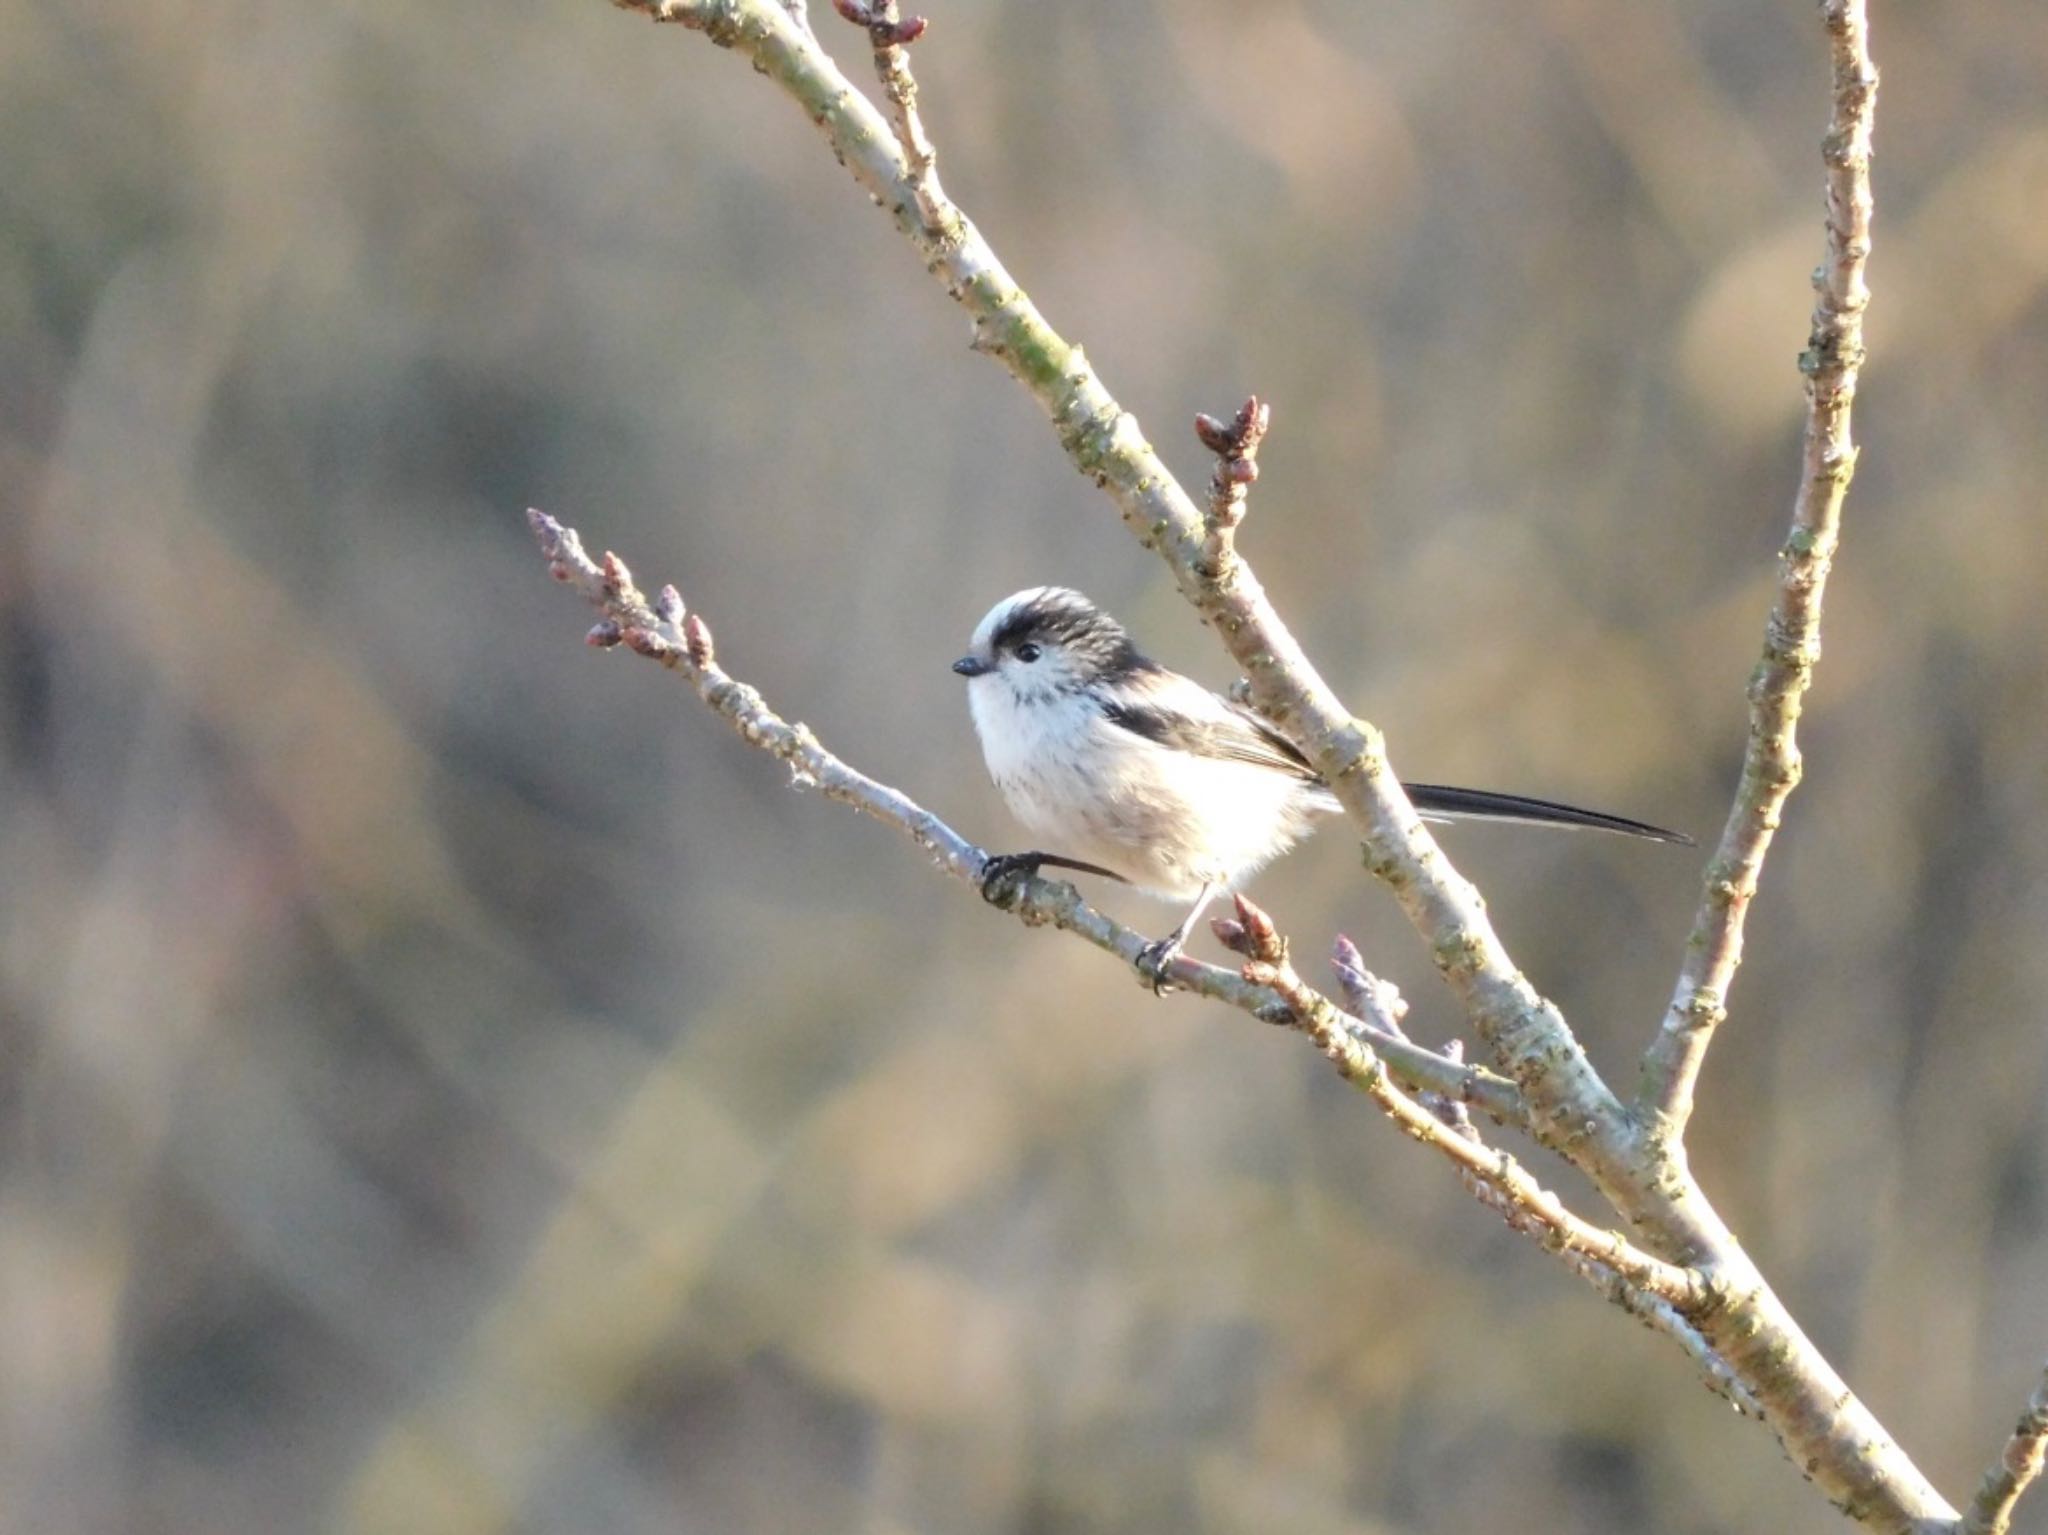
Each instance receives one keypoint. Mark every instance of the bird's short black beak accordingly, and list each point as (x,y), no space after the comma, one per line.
(971,666)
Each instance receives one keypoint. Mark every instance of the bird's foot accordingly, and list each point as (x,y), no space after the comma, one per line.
(1155,958)
(1001,874)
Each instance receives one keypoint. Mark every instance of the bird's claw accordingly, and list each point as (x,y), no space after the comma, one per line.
(1154,959)
(1004,869)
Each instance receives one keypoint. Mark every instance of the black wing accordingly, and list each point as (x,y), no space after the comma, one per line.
(1185,716)
(1182,715)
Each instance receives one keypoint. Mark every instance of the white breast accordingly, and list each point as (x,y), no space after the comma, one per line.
(1168,821)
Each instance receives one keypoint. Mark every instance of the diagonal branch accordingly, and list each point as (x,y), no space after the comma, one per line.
(891,34)
(1771,765)
(1663,1316)
(1823,1427)
(663,631)
(1369,1052)
(1502,1183)
(2018,1465)
(1379,1003)
(1572,1109)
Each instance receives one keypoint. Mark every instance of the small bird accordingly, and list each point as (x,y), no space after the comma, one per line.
(1135,772)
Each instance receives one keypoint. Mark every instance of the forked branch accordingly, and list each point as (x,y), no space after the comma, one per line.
(2017,1468)
(1380,1004)
(1689,1275)
(1572,1109)
(1771,765)
(1373,1054)
(663,630)
(1507,1185)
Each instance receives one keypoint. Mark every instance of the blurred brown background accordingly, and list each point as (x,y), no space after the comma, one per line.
(449,1085)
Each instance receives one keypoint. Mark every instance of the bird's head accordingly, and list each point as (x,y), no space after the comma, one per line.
(1046,641)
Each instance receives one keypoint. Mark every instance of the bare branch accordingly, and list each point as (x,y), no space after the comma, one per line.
(891,35)
(1660,1315)
(1503,1183)
(2015,1470)
(664,631)
(1771,765)
(1381,1008)
(1572,1110)
(1823,1427)
(1236,446)
(1370,1052)
(1379,1002)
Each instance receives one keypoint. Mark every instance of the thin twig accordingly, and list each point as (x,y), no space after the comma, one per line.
(1380,1001)
(1654,1311)
(1821,1424)
(891,34)
(1771,765)
(1377,999)
(1660,1315)
(1573,1111)
(1509,1188)
(1236,445)
(663,630)
(1378,1004)
(1369,1051)
(2015,1470)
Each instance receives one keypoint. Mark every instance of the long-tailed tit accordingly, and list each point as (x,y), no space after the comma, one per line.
(1134,771)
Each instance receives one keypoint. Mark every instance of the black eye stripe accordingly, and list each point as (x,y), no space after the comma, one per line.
(1087,637)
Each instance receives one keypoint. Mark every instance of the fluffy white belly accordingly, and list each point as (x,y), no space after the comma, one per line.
(1166,820)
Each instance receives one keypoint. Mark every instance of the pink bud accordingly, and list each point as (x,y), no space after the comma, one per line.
(697,642)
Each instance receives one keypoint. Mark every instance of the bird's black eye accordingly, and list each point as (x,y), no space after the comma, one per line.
(1027,652)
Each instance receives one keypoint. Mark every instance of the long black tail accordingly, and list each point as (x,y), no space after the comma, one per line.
(1435,801)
